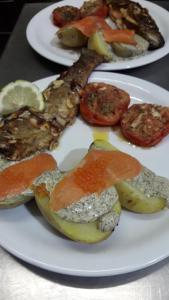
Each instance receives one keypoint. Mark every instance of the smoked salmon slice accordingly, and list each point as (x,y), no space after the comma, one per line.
(99,170)
(91,24)
(16,178)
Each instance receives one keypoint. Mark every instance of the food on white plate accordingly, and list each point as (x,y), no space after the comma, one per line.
(135,30)
(103,104)
(126,50)
(83,203)
(130,14)
(65,14)
(91,24)
(71,37)
(145,193)
(94,8)
(17,177)
(84,220)
(25,132)
(18,94)
(97,43)
(145,124)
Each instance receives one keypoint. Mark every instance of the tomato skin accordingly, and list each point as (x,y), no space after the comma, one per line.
(145,124)
(94,8)
(65,14)
(103,104)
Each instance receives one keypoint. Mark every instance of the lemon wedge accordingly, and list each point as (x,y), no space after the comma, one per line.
(18,94)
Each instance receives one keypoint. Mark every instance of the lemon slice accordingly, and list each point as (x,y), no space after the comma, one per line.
(20,93)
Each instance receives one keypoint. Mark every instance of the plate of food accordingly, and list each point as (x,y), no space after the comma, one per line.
(128,34)
(69,174)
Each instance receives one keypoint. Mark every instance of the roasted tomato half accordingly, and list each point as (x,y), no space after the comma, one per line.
(94,8)
(145,124)
(65,14)
(103,104)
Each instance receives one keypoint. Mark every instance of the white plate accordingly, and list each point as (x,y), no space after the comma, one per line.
(41,36)
(138,241)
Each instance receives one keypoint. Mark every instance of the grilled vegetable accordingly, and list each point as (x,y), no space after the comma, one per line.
(145,124)
(65,14)
(103,104)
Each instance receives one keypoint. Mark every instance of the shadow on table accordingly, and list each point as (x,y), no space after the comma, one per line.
(94,282)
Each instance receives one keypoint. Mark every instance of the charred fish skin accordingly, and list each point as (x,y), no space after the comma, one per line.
(78,74)
(62,95)
(126,13)
(25,132)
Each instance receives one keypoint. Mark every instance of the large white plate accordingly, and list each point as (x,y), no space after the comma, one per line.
(138,241)
(41,36)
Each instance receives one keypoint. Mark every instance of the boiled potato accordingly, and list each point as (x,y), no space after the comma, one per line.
(135,200)
(85,233)
(15,201)
(131,197)
(126,50)
(97,43)
(71,37)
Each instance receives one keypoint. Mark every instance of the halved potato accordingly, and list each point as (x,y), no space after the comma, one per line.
(85,233)
(71,37)
(15,201)
(135,200)
(131,197)
(126,50)
(97,43)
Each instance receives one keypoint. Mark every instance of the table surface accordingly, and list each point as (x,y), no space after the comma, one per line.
(21,281)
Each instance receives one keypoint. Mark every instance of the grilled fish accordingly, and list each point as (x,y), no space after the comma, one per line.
(26,131)
(131,15)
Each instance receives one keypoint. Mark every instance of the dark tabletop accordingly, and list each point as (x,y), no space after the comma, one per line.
(21,281)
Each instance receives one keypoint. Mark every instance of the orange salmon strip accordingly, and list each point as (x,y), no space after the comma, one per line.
(16,178)
(98,170)
(91,24)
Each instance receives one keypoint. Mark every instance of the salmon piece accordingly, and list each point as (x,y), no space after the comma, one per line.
(16,178)
(98,171)
(91,24)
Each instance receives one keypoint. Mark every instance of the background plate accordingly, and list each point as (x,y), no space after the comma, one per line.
(138,241)
(41,36)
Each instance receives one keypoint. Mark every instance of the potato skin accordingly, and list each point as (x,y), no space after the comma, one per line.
(84,233)
(131,198)
(71,37)
(134,200)
(97,43)
(15,201)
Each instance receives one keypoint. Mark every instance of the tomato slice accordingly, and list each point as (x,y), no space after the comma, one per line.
(65,14)
(145,124)
(103,104)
